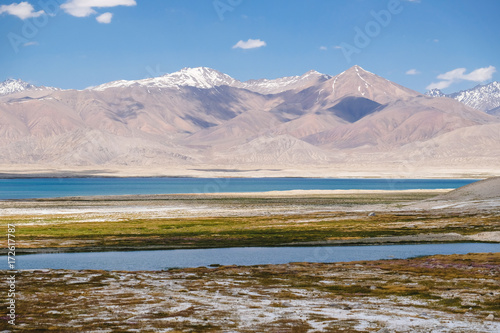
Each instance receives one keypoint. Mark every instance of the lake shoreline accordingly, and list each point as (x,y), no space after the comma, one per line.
(444,292)
(194,196)
(90,176)
(402,240)
(335,170)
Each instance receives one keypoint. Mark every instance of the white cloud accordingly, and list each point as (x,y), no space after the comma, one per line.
(23,10)
(104,18)
(412,72)
(435,40)
(477,75)
(338,47)
(439,85)
(83,8)
(30,44)
(458,74)
(323,48)
(249,44)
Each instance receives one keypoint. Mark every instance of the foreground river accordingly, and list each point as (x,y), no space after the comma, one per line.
(245,256)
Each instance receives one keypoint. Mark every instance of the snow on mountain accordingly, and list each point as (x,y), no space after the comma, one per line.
(482,97)
(200,77)
(435,93)
(11,86)
(206,78)
(265,86)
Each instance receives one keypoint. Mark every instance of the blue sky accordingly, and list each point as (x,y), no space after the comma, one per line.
(75,44)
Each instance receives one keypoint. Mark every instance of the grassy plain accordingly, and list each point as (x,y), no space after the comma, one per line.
(154,222)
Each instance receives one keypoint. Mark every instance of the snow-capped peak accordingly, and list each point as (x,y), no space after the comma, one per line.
(313,72)
(435,93)
(482,97)
(266,86)
(199,77)
(359,69)
(11,86)
(206,78)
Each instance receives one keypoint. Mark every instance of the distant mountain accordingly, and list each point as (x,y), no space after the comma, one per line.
(199,117)
(201,77)
(206,78)
(12,86)
(482,97)
(265,86)
(379,113)
(435,93)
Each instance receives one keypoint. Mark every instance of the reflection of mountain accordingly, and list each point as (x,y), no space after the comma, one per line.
(201,116)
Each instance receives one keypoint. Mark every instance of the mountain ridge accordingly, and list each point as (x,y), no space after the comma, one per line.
(485,97)
(12,86)
(209,118)
(207,78)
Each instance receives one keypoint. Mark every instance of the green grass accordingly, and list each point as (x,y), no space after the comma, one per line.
(239,231)
(136,231)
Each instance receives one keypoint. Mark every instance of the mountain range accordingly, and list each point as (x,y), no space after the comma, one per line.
(482,97)
(11,86)
(201,119)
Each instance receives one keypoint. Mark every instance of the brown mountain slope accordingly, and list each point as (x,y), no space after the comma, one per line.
(356,117)
(360,83)
(401,122)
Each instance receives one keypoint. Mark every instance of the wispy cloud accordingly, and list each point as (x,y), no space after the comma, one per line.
(338,47)
(23,10)
(249,44)
(458,74)
(83,8)
(412,72)
(30,44)
(104,18)
(323,48)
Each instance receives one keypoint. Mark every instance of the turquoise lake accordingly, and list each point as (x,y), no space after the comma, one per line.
(65,187)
